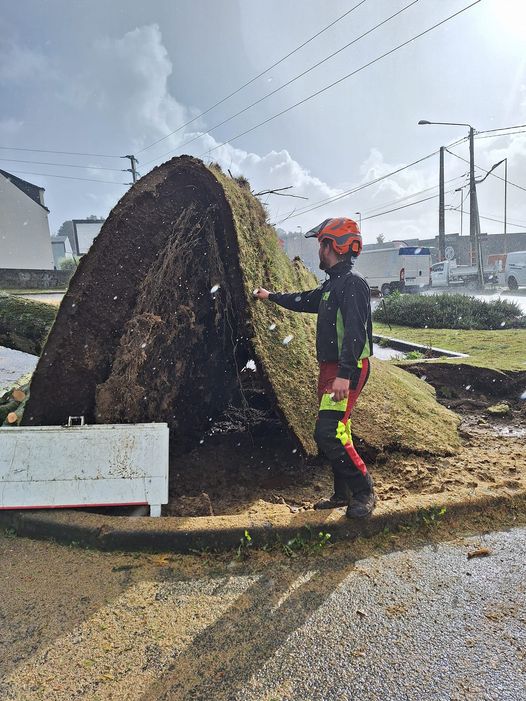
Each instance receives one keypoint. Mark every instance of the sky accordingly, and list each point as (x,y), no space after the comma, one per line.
(110,79)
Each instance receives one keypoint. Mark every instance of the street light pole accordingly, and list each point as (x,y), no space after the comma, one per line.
(441,210)
(360,220)
(505,204)
(474,222)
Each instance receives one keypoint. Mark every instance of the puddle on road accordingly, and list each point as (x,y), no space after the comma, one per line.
(510,431)
(14,364)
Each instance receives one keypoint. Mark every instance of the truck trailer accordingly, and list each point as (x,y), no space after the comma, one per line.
(396,268)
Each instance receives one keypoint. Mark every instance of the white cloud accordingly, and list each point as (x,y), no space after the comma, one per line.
(19,64)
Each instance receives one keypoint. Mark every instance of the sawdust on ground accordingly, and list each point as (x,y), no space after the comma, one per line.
(82,624)
(269,479)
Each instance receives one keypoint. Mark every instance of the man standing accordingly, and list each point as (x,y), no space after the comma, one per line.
(343,347)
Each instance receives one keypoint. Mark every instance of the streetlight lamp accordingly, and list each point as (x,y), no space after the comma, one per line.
(474,222)
(359,220)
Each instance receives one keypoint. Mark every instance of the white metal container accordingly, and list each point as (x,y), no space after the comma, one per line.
(99,465)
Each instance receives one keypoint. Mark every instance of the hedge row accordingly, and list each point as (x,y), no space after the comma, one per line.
(447,311)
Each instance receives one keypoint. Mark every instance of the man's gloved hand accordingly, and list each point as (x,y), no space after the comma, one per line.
(261,293)
(340,389)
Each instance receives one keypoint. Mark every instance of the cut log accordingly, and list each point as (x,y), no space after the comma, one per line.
(18,395)
(24,325)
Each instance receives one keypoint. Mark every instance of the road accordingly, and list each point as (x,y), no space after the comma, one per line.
(14,364)
(416,624)
(518,298)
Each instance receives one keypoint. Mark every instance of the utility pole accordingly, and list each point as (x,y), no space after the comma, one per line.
(505,203)
(441,210)
(472,199)
(133,169)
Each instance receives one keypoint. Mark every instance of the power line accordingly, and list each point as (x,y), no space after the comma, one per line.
(62,165)
(63,153)
(404,206)
(289,82)
(489,131)
(413,194)
(348,193)
(499,221)
(68,177)
(252,80)
(496,136)
(452,153)
(345,77)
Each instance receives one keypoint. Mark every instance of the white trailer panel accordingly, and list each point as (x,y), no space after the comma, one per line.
(101,465)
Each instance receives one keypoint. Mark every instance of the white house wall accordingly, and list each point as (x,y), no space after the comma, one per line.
(24,231)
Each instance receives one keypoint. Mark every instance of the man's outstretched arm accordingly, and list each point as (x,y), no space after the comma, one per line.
(296,301)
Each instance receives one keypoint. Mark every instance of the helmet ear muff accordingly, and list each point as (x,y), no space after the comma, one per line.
(356,247)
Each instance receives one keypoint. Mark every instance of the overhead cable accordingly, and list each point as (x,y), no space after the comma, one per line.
(67,177)
(289,82)
(63,153)
(252,80)
(62,165)
(520,187)
(343,78)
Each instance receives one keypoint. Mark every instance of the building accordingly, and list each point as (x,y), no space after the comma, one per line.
(83,233)
(61,249)
(25,241)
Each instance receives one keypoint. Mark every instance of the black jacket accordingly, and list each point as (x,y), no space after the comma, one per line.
(343,304)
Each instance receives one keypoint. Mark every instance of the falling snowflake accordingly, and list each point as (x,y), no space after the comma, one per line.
(143,345)
(115,297)
(295,450)
(503,323)
(287,340)
(468,386)
(298,298)
(201,441)
(523,395)
(251,365)
(272,327)
(214,289)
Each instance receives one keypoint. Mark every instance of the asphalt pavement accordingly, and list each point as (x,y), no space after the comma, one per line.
(422,624)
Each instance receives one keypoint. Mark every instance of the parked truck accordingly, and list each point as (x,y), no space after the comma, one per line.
(397,268)
(448,274)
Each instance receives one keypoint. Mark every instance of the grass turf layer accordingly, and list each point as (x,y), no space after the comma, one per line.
(396,409)
(497,350)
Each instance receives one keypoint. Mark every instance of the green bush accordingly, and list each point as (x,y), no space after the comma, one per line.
(449,312)
(68,263)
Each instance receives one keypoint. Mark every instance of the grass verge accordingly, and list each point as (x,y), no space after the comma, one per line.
(498,350)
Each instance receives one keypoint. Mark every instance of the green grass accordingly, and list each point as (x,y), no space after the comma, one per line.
(396,409)
(499,350)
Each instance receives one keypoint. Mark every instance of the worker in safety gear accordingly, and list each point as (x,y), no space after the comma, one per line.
(343,345)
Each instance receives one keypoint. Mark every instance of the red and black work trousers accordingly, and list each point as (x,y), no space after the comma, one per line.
(350,473)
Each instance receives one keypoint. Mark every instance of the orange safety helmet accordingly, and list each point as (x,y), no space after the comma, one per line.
(343,233)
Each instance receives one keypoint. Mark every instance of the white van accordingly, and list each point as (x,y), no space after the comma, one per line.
(397,268)
(515,269)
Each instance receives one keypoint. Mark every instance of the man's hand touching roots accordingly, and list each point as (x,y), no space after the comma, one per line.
(261,293)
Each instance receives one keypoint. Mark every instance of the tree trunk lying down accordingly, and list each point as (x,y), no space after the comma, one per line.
(24,325)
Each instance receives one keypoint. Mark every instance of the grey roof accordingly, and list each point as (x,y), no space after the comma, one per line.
(32,191)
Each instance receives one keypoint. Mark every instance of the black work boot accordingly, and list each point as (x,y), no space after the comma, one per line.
(333,502)
(361,505)
(340,496)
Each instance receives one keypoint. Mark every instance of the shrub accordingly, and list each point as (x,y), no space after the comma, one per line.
(68,263)
(449,312)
